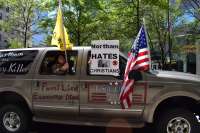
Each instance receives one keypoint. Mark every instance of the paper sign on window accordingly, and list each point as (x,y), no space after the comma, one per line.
(105,57)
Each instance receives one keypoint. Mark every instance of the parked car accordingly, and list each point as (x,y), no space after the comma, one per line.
(31,89)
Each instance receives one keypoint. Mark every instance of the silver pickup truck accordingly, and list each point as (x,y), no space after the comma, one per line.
(31,90)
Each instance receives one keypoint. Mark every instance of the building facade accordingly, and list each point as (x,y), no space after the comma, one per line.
(198,59)
(194,56)
(4,12)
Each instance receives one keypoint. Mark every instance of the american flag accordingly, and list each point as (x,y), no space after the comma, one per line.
(138,59)
(99,97)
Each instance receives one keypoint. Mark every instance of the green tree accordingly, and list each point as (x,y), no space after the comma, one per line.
(78,17)
(88,20)
(14,43)
(156,16)
(192,7)
(99,19)
(22,20)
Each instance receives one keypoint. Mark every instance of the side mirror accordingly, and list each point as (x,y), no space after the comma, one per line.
(136,75)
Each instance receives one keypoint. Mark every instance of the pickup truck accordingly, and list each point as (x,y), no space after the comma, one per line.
(30,91)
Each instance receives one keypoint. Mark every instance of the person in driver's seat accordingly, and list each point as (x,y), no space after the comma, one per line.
(61,66)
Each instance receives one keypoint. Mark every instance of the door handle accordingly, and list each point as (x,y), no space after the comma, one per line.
(110,83)
(114,83)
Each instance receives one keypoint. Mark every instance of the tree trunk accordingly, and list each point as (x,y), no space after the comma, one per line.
(169,35)
(78,37)
(26,33)
(161,49)
(162,57)
(78,27)
(25,38)
(138,15)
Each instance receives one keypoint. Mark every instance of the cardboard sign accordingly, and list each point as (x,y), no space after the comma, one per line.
(105,57)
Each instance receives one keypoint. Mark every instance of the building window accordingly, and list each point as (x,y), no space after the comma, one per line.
(1,16)
(7,9)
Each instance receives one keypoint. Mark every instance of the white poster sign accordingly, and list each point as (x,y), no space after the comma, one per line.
(105,57)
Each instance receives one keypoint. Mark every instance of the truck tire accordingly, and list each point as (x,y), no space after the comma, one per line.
(13,119)
(177,120)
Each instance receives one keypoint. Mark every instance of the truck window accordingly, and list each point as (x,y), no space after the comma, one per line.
(122,66)
(55,63)
(16,62)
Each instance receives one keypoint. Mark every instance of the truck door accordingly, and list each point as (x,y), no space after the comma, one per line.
(56,93)
(100,95)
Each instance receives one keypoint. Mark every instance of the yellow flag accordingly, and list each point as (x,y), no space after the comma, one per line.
(60,36)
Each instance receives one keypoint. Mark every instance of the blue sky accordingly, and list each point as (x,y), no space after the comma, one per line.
(188,18)
(39,38)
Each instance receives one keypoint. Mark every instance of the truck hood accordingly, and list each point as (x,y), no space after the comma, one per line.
(177,75)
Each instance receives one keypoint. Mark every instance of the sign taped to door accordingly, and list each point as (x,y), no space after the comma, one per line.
(104,57)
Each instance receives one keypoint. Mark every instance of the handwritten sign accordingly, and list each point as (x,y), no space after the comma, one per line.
(53,91)
(105,57)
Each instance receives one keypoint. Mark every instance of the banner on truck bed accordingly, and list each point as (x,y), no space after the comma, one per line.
(104,58)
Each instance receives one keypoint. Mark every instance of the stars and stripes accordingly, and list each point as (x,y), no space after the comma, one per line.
(98,97)
(138,59)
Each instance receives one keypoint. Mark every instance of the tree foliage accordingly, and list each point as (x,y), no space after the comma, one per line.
(88,20)
(22,20)
(192,7)
(161,26)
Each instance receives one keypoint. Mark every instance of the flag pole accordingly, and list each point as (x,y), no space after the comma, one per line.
(63,31)
(144,23)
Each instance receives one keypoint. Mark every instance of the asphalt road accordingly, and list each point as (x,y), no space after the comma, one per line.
(54,128)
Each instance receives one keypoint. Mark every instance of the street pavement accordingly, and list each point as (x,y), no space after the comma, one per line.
(55,128)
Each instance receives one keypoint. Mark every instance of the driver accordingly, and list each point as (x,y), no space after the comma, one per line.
(61,66)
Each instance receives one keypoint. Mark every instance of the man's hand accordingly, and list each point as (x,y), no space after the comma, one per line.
(65,67)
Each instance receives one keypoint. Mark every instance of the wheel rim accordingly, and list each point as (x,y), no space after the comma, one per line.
(11,121)
(179,125)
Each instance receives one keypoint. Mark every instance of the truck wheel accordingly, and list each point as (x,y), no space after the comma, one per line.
(177,121)
(13,119)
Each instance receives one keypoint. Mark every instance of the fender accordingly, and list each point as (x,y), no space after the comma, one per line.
(149,110)
(27,97)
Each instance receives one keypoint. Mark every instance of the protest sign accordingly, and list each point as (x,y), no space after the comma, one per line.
(105,57)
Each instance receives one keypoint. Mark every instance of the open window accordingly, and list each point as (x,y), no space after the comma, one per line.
(51,64)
